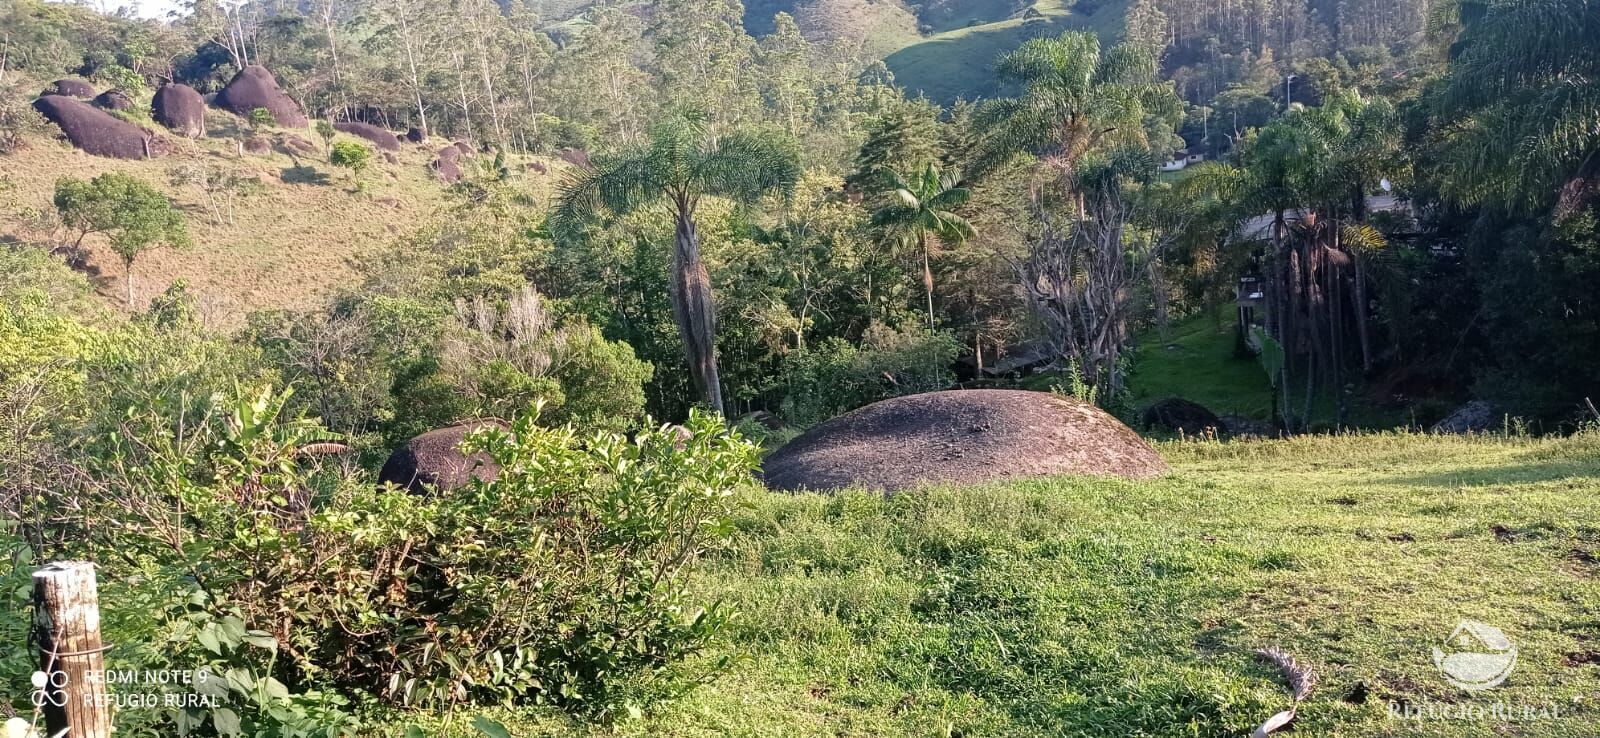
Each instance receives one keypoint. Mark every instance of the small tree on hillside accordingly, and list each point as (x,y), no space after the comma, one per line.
(352,156)
(262,118)
(135,216)
(326,131)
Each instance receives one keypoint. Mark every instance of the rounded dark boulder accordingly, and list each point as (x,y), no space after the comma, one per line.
(71,87)
(1177,415)
(416,135)
(255,87)
(960,437)
(448,166)
(94,131)
(1477,416)
(377,136)
(181,109)
(113,100)
(433,461)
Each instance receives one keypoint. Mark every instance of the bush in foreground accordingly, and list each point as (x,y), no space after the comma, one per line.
(235,544)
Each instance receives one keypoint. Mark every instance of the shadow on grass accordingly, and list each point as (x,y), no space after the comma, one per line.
(304,174)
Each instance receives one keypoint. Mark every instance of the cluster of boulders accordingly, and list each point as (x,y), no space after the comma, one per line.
(92,122)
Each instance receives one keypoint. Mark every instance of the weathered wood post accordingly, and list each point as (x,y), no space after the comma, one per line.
(71,656)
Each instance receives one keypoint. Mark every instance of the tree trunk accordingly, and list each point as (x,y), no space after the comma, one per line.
(127,282)
(1361,310)
(694,306)
(927,278)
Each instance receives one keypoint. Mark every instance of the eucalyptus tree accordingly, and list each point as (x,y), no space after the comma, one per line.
(683,164)
(922,211)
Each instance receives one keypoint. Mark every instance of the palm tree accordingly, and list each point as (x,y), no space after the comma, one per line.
(1520,105)
(923,210)
(1073,98)
(683,163)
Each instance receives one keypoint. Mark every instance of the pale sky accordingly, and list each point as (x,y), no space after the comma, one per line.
(144,8)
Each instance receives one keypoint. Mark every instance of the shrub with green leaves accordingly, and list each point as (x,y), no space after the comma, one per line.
(563,581)
(834,377)
(262,118)
(350,155)
(325,131)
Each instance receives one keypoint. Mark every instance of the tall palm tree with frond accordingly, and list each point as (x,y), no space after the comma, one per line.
(1521,103)
(1074,97)
(683,163)
(921,211)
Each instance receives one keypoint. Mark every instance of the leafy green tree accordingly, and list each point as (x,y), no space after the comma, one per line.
(262,118)
(135,216)
(922,212)
(352,156)
(683,164)
(904,139)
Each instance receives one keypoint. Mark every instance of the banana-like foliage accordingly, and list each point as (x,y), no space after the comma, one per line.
(684,162)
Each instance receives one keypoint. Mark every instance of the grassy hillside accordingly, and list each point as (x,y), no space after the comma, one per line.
(296,230)
(959,63)
(1097,607)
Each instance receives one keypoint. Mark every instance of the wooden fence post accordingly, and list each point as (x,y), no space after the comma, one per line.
(71,655)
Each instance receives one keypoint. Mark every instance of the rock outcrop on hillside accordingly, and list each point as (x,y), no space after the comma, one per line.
(113,100)
(70,87)
(254,87)
(1177,415)
(433,462)
(377,136)
(181,109)
(1474,417)
(95,131)
(960,437)
(447,164)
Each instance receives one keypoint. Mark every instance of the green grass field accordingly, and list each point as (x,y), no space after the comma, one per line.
(959,63)
(1083,607)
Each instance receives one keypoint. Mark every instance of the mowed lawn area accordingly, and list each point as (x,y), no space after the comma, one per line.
(1084,607)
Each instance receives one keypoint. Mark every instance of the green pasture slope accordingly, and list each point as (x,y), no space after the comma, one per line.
(1084,607)
(959,63)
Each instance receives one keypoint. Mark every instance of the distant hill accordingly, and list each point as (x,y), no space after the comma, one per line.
(942,49)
